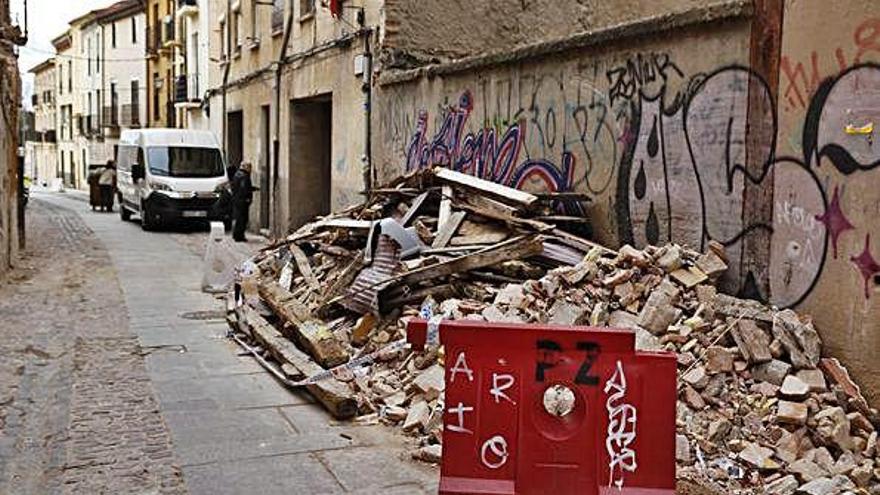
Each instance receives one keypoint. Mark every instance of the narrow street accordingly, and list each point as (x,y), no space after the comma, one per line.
(117,377)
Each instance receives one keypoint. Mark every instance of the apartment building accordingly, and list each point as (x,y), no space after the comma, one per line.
(193,19)
(41,150)
(114,40)
(67,110)
(99,75)
(162,52)
(289,97)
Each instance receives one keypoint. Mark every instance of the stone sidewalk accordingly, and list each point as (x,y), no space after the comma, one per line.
(234,429)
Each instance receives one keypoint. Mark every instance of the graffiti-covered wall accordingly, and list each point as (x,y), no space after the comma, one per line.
(829,120)
(687,136)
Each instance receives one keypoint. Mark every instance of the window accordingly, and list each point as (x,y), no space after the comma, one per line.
(222,43)
(255,26)
(61,79)
(135,118)
(113,34)
(134,31)
(236,30)
(157,87)
(70,76)
(89,57)
(185,162)
(306,8)
(277,16)
(114,103)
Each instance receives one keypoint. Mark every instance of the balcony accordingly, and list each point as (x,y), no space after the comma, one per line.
(131,116)
(110,116)
(168,32)
(92,128)
(187,7)
(154,39)
(186,89)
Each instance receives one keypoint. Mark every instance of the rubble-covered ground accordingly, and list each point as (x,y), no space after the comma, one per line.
(760,409)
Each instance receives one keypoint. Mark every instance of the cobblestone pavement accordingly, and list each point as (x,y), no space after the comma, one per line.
(77,410)
(109,345)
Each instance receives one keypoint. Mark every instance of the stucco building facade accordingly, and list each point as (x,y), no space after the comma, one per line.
(41,152)
(746,122)
(296,112)
(162,46)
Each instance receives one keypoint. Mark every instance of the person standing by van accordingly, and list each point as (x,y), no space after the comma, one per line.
(242,196)
(107,184)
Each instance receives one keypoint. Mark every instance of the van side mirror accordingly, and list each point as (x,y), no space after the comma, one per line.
(137,171)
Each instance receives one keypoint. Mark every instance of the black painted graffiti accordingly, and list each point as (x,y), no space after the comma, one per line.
(549,357)
(645,75)
(683,178)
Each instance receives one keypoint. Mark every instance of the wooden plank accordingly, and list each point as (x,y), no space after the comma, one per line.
(516,248)
(504,193)
(448,229)
(445,207)
(471,233)
(334,395)
(310,333)
(302,262)
(413,209)
(345,223)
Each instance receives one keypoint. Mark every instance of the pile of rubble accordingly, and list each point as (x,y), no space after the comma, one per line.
(759,410)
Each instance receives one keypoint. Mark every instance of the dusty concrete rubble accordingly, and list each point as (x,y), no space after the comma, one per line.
(759,410)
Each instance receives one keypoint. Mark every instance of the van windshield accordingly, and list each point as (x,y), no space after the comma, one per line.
(178,161)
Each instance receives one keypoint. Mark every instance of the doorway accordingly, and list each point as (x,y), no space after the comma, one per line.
(235,138)
(264,192)
(310,155)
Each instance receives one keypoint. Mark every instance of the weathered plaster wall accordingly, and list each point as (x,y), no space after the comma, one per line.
(680,136)
(10,98)
(830,81)
(469,28)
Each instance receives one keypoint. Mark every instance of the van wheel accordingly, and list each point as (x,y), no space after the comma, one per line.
(148,221)
(124,213)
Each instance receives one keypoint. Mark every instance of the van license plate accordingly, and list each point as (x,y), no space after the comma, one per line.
(195,214)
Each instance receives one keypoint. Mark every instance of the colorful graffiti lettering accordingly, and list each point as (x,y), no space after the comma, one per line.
(486,153)
(801,79)
(688,169)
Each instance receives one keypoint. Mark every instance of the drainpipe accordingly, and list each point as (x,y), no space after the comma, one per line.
(276,143)
(368,110)
(226,78)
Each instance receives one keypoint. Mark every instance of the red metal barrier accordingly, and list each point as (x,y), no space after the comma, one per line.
(535,409)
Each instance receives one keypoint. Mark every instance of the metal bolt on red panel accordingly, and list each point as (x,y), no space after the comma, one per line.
(537,409)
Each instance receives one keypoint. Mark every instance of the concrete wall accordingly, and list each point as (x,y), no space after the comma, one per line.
(413,27)
(684,130)
(10,98)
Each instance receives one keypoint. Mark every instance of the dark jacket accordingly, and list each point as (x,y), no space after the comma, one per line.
(242,188)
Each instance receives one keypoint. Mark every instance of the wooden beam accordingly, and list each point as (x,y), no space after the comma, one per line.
(504,193)
(310,333)
(413,209)
(302,262)
(334,395)
(448,229)
(512,249)
(445,206)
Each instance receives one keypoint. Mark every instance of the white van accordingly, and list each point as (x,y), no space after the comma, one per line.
(170,174)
